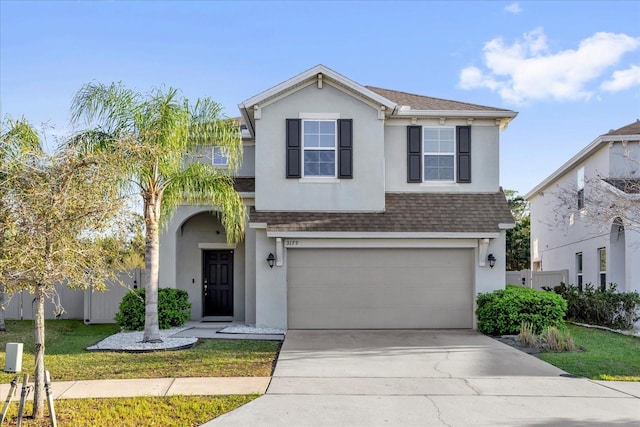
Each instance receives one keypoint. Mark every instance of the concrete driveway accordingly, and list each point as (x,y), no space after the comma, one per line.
(426,378)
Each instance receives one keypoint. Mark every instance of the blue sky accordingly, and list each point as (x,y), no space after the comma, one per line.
(571,69)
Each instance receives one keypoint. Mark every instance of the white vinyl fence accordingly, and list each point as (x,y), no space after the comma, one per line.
(88,305)
(537,279)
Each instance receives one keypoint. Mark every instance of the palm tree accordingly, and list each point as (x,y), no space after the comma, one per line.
(16,137)
(156,134)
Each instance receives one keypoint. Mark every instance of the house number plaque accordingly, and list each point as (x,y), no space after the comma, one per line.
(291,243)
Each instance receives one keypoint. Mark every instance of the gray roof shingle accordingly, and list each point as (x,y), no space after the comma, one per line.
(404,212)
(630,129)
(421,102)
(244,185)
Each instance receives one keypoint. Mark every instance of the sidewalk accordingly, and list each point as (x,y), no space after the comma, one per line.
(151,387)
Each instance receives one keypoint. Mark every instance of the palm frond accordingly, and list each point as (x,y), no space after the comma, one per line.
(202,184)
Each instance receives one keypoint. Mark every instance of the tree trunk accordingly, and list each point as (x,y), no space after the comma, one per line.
(151,259)
(3,326)
(38,392)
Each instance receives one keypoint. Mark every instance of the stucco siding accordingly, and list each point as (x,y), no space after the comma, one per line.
(485,157)
(248,166)
(624,160)
(365,192)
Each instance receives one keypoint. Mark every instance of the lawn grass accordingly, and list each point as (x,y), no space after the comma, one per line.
(67,359)
(606,355)
(187,411)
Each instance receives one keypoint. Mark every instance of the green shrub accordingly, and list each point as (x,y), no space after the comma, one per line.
(503,311)
(173,309)
(604,307)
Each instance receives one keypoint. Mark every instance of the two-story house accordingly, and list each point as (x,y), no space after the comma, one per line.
(368,208)
(585,216)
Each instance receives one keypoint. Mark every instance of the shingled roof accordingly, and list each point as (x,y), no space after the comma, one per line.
(630,129)
(421,102)
(404,213)
(244,185)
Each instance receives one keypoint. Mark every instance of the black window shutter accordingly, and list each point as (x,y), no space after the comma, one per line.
(345,148)
(464,153)
(414,153)
(294,148)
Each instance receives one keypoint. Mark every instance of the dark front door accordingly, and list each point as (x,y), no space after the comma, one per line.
(218,283)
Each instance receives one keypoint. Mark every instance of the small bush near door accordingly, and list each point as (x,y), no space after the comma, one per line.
(173,309)
(502,312)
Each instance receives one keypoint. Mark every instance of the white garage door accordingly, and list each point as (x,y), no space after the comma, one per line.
(379,288)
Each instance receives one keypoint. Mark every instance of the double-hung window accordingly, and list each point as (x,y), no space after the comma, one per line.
(579,270)
(602,271)
(319,148)
(219,157)
(439,147)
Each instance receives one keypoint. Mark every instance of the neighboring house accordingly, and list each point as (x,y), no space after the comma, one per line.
(378,209)
(585,217)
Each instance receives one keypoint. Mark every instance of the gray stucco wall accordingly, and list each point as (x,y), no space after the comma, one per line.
(485,157)
(248,166)
(365,192)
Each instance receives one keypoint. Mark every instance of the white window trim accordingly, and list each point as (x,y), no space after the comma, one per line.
(579,272)
(213,157)
(335,151)
(600,271)
(425,153)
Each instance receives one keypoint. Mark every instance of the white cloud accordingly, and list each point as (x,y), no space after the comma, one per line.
(513,8)
(622,79)
(526,70)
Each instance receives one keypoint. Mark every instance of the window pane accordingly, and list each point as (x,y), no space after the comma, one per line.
(327,169)
(446,134)
(312,140)
(446,147)
(431,146)
(446,161)
(431,161)
(311,127)
(311,169)
(327,141)
(431,174)
(326,156)
(603,259)
(328,127)
(446,174)
(431,134)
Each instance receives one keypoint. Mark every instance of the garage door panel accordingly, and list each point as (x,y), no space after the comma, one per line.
(379,288)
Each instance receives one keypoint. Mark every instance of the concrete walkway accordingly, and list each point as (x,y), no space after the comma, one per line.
(426,378)
(152,387)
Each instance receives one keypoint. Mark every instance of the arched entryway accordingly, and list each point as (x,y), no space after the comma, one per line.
(617,254)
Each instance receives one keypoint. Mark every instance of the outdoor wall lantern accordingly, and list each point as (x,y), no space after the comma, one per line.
(271,260)
(492,260)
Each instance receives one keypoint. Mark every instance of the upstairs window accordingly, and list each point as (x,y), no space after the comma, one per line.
(219,157)
(439,154)
(319,148)
(580,187)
